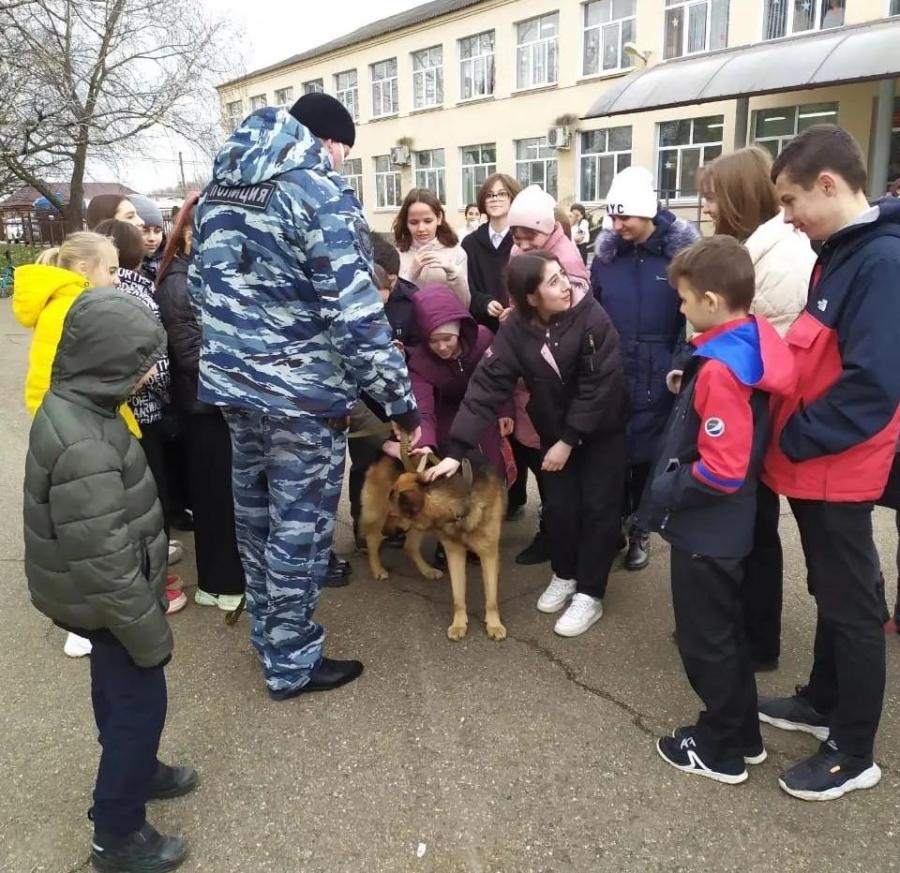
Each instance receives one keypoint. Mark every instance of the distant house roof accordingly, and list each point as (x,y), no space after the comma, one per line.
(25,197)
(417,15)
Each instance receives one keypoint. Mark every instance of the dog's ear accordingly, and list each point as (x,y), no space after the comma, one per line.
(411,501)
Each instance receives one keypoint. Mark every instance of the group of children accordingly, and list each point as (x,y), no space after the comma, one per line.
(511,357)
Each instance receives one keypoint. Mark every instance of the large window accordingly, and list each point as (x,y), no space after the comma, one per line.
(428,77)
(603,154)
(478,162)
(346,90)
(608,25)
(476,66)
(385,99)
(684,147)
(387,183)
(314,86)
(894,8)
(537,51)
(695,26)
(536,164)
(773,129)
(257,102)
(284,97)
(352,172)
(784,17)
(234,112)
(429,172)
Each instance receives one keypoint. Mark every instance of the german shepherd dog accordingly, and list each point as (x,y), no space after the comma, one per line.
(465,517)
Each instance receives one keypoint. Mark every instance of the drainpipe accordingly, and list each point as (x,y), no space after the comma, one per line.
(881,142)
(741,121)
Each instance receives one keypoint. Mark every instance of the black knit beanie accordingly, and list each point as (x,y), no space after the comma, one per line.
(325,117)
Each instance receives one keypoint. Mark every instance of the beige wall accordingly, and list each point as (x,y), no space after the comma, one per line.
(510,115)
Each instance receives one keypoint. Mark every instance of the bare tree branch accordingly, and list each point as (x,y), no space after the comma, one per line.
(88,80)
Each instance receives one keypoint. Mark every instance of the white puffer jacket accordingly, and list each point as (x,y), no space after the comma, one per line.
(783,260)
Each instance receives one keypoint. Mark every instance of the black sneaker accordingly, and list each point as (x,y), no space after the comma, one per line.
(172,782)
(183,520)
(144,851)
(794,714)
(754,754)
(338,573)
(514,513)
(638,555)
(829,774)
(685,755)
(537,552)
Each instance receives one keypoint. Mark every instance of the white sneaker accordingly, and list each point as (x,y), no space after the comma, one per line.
(76,646)
(225,602)
(176,551)
(583,611)
(556,594)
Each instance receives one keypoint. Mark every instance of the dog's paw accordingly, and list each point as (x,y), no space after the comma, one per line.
(432,573)
(381,575)
(457,631)
(495,631)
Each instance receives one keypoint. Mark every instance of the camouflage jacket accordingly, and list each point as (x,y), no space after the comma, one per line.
(291,321)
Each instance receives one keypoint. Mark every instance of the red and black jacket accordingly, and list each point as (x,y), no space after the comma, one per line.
(835,436)
(702,494)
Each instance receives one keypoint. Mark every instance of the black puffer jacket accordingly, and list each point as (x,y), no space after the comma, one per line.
(95,549)
(183,330)
(571,368)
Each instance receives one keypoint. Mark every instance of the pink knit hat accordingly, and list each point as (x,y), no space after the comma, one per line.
(533,208)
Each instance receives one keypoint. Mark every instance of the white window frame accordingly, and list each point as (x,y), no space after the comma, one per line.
(540,48)
(480,67)
(686,6)
(539,142)
(234,112)
(433,176)
(621,159)
(819,116)
(470,172)
(314,86)
(624,60)
(385,88)
(284,97)
(818,6)
(257,101)
(433,73)
(348,93)
(679,149)
(387,183)
(354,179)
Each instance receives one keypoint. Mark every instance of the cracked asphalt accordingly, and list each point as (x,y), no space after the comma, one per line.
(534,755)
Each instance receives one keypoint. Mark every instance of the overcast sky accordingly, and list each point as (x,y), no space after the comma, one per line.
(273,30)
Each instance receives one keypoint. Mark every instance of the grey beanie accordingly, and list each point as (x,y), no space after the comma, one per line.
(149,212)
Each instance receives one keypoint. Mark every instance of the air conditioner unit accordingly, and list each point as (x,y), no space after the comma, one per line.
(559,137)
(400,156)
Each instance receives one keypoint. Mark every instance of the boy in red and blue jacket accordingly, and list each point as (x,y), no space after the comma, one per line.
(833,443)
(702,499)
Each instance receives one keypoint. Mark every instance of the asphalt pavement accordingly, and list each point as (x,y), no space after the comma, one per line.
(534,755)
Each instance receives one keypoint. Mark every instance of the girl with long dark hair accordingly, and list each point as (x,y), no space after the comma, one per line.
(220,577)
(430,253)
(561,343)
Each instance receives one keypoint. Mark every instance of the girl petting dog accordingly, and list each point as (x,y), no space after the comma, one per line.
(561,343)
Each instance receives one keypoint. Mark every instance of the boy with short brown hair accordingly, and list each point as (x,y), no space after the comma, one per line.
(702,499)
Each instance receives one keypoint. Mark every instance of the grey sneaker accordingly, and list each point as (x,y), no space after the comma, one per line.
(794,714)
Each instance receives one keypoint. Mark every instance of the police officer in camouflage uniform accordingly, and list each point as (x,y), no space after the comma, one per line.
(293,329)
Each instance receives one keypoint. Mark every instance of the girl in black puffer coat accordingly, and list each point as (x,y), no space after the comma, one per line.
(562,344)
(220,577)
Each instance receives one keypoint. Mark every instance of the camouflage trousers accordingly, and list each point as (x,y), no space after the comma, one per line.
(287,475)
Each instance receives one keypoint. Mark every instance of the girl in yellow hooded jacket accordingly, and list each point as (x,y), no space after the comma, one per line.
(42,295)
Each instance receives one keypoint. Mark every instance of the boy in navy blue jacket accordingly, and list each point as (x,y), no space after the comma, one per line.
(702,499)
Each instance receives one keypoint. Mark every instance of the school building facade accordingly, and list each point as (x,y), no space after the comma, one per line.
(566,93)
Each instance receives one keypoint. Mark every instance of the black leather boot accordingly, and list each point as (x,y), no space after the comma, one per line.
(638,555)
